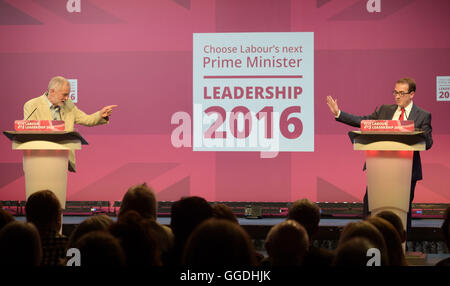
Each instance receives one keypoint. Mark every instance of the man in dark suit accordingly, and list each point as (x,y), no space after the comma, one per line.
(403,109)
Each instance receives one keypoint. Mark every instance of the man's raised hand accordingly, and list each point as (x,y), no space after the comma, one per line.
(107,110)
(332,104)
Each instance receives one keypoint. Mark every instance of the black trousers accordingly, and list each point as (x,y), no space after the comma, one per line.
(408,220)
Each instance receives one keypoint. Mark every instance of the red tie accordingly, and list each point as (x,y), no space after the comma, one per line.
(402,115)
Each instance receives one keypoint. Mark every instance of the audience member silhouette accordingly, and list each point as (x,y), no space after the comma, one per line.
(219,243)
(186,215)
(5,218)
(287,244)
(199,235)
(165,240)
(366,230)
(394,247)
(396,221)
(93,223)
(100,249)
(137,240)
(353,252)
(20,245)
(44,211)
(445,228)
(222,211)
(307,214)
(142,199)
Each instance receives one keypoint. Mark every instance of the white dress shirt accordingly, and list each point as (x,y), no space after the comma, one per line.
(398,112)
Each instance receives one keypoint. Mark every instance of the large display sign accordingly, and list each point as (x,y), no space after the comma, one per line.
(443,88)
(253,92)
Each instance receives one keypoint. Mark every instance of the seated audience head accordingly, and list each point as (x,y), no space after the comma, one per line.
(307,214)
(100,248)
(222,211)
(93,223)
(219,243)
(44,211)
(366,230)
(446,227)
(137,240)
(353,252)
(392,239)
(5,218)
(396,221)
(20,245)
(142,199)
(188,213)
(287,244)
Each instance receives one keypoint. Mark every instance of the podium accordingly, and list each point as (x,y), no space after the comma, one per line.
(46,159)
(389,158)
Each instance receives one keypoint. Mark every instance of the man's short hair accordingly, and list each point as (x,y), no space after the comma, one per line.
(187,214)
(44,210)
(307,214)
(100,248)
(57,82)
(287,243)
(141,199)
(93,223)
(219,243)
(410,82)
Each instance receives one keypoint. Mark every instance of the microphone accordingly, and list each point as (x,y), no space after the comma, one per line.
(31,113)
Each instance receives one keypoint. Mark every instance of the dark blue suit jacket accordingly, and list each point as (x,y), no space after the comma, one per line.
(422,121)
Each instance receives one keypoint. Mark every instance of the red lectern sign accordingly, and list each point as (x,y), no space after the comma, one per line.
(39,125)
(387,126)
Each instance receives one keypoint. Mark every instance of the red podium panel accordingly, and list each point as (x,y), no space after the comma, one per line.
(377,126)
(39,125)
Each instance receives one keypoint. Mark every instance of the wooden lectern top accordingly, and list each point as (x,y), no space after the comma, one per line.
(38,140)
(388,141)
(54,136)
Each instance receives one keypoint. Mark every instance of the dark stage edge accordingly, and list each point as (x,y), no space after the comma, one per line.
(422,229)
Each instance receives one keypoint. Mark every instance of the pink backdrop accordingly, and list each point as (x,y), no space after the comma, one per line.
(138,54)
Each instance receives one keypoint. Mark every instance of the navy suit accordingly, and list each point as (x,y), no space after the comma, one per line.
(422,121)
